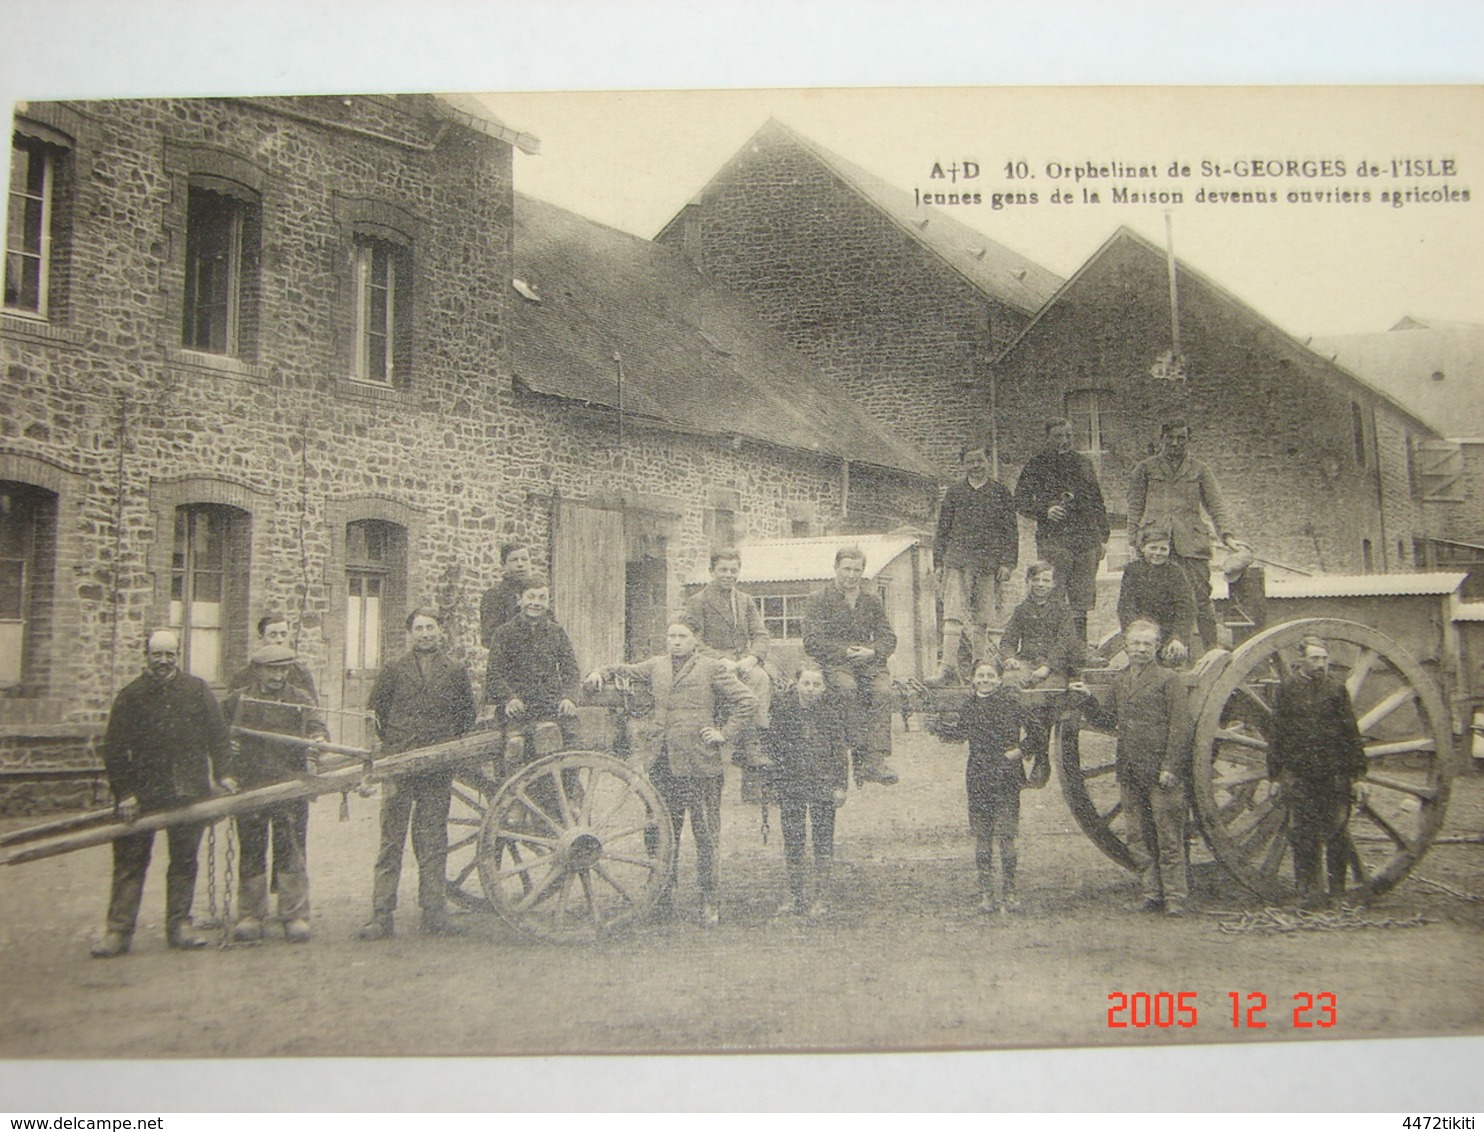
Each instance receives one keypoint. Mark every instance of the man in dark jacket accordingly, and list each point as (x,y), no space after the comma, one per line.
(1317,758)
(274,631)
(1059,489)
(1147,707)
(732,630)
(974,552)
(846,630)
(165,735)
(420,699)
(501,601)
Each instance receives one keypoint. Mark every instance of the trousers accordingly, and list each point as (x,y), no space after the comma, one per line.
(422,800)
(867,709)
(1198,574)
(793,816)
(286,827)
(131,856)
(699,796)
(1156,817)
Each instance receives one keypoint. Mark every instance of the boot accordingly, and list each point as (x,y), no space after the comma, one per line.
(871,767)
(112,945)
(293,906)
(379,926)
(252,909)
(179,894)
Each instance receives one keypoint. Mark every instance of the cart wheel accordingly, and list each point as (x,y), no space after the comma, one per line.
(1085,757)
(472,790)
(1408,742)
(575,846)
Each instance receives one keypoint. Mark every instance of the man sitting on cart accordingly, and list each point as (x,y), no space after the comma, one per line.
(532,678)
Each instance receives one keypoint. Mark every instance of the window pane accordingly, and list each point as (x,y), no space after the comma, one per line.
(12,636)
(12,589)
(371,636)
(353,625)
(213,224)
(204,649)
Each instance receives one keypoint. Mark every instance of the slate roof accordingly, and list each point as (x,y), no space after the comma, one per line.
(994,269)
(1403,360)
(1299,352)
(694,357)
(813,559)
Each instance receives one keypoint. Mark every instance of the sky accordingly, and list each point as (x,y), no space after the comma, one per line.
(633,159)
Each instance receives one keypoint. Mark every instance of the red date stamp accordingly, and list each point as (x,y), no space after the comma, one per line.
(1165,1010)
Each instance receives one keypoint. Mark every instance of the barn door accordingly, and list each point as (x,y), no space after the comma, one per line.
(1440,468)
(588,579)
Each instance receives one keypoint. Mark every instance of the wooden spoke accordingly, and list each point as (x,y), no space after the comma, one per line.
(527,838)
(1229,782)
(1241,738)
(592,899)
(524,867)
(642,862)
(1240,756)
(1273,858)
(1385,827)
(1240,798)
(1403,747)
(1428,793)
(617,807)
(1397,698)
(621,890)
(563,897)
(463,874)
(1262,832)
(558,780)
(467,839)
(1244,826)
(1099,770)
(468,799)
(1109,815)
(1363,665)
(1253,698)
(608,838)
(525,800)
(541,887)
(589,797)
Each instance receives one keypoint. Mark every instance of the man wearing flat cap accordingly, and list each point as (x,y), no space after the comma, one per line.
(272,704)
(165,734)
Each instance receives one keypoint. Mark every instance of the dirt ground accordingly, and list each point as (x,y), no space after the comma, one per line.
(902,962)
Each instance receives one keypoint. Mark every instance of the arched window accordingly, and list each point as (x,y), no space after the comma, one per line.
(208,585)
(375,588)
(27,556)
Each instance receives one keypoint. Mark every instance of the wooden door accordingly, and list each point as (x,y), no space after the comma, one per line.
(588,580)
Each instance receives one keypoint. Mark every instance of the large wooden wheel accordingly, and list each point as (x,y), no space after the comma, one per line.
(473,788)
(575,846)
(1085,758)
(1408,742)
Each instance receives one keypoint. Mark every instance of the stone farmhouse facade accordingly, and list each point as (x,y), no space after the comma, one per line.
(935,326)
(1320,470)
(315,355)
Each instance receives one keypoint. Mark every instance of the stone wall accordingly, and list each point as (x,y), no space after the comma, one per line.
(103,408)
(863,300)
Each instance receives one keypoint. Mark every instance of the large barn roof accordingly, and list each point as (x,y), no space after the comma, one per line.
(693,356)
(994,269)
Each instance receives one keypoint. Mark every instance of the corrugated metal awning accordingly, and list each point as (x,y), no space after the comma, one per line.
(1366,585)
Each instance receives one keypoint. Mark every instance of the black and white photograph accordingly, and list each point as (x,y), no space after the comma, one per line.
(741,571)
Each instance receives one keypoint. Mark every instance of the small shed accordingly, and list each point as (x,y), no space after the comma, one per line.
(782,574)
(1419,611)
(1468,621)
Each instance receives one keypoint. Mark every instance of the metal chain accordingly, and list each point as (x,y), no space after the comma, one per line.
(211,874)
(229,866)
(1278,920)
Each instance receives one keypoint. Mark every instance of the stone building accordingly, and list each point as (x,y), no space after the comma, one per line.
(314,355)
(905,305)
(1319,468)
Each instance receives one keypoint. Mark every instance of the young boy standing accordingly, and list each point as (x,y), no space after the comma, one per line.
(810,746)
(1040,649)
(993,777)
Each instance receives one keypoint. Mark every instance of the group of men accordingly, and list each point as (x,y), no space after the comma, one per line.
(976,546)
(169,743)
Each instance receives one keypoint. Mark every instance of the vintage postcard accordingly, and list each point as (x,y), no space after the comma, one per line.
(718,439)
